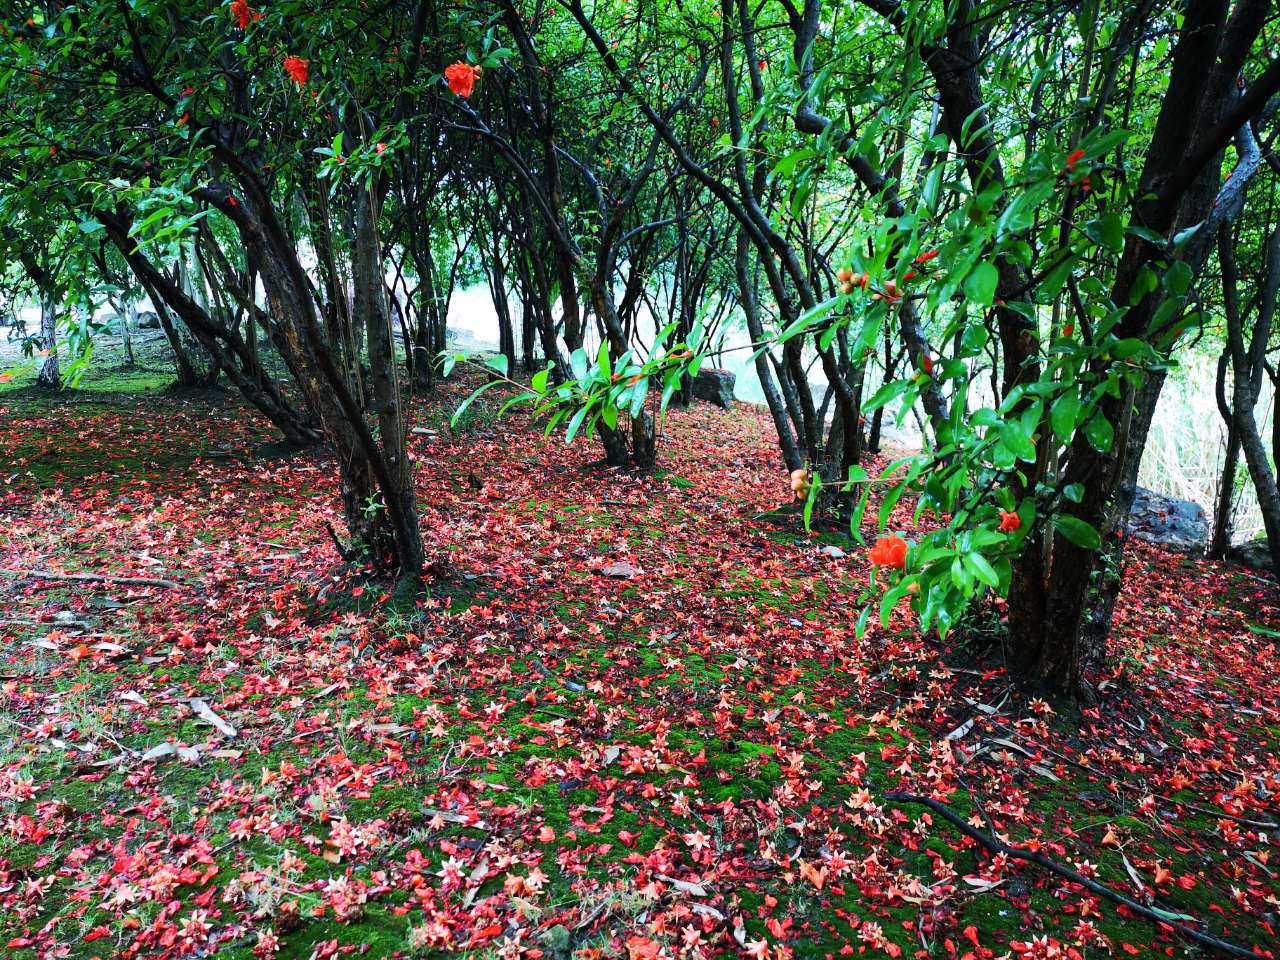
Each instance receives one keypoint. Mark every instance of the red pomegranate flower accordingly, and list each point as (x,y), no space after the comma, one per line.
(927,255)
(890,551)
(297,69)
(1009,522)
(462,78)
(243,13)
(1073,159)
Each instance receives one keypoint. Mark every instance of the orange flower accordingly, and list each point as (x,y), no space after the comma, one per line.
(1075,157)
(243,13)
(297,69)
(890,551)
(927,255)
(462,78)
(800,483)
(1009,522)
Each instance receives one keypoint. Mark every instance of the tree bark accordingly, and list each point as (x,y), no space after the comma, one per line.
(49,376)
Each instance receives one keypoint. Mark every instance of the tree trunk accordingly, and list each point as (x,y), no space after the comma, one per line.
(1081,585)
(1224,502)
(791,455)
(50,376)
(388,403)
(1247,363)
(128,319)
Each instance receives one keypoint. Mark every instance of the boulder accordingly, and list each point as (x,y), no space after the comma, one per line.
(1256,554)
(622,570)
(148,321)
(1177,524)
(715,385)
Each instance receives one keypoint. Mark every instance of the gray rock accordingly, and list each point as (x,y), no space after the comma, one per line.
(1256,554)
(832,551)
(714,386)
(148,321)
(1177,524)
(622,570)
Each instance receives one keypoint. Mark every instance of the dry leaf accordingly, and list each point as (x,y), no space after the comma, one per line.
(205,713)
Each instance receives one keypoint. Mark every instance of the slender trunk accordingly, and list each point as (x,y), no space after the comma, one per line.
(1246,363)
(398,521)
(498,291)
(1224,503)
(217,340)
(791,455)
(50,376)
(184,370)
(128,314)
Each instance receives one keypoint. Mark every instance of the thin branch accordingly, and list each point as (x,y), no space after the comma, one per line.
(1013,853)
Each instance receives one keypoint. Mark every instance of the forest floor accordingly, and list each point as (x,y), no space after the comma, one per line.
(630,719)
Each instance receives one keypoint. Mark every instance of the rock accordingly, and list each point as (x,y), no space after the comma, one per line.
(1177,524)
(1256,554)
(148,321)
(622,570)
(714,386)
(832,551)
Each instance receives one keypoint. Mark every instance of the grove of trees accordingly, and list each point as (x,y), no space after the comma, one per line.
(1008,221)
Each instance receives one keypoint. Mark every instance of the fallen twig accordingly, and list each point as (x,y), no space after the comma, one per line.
(998,846)
(94,578)
(571,685)
(1134,788)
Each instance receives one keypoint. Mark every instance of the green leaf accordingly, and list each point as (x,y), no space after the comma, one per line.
(1178,278)
(815,484)
(639,392)
(1145,282)
(886,394)
(1099,432)
(980,284)
(580,366)
(1077,531)
(1064,413)
(891,598)
(932,186)
(462,407)
(575,424)
(1127,348)
(498,363)
(981,568)
(1108,231)
(1015,435)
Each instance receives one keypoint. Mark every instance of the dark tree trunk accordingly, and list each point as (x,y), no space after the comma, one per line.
(791,455)
(1224,502)
(1247,371)
(394,481)
(1081,585)
(219,341)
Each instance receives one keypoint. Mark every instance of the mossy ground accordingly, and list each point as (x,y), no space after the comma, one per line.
(593,725)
